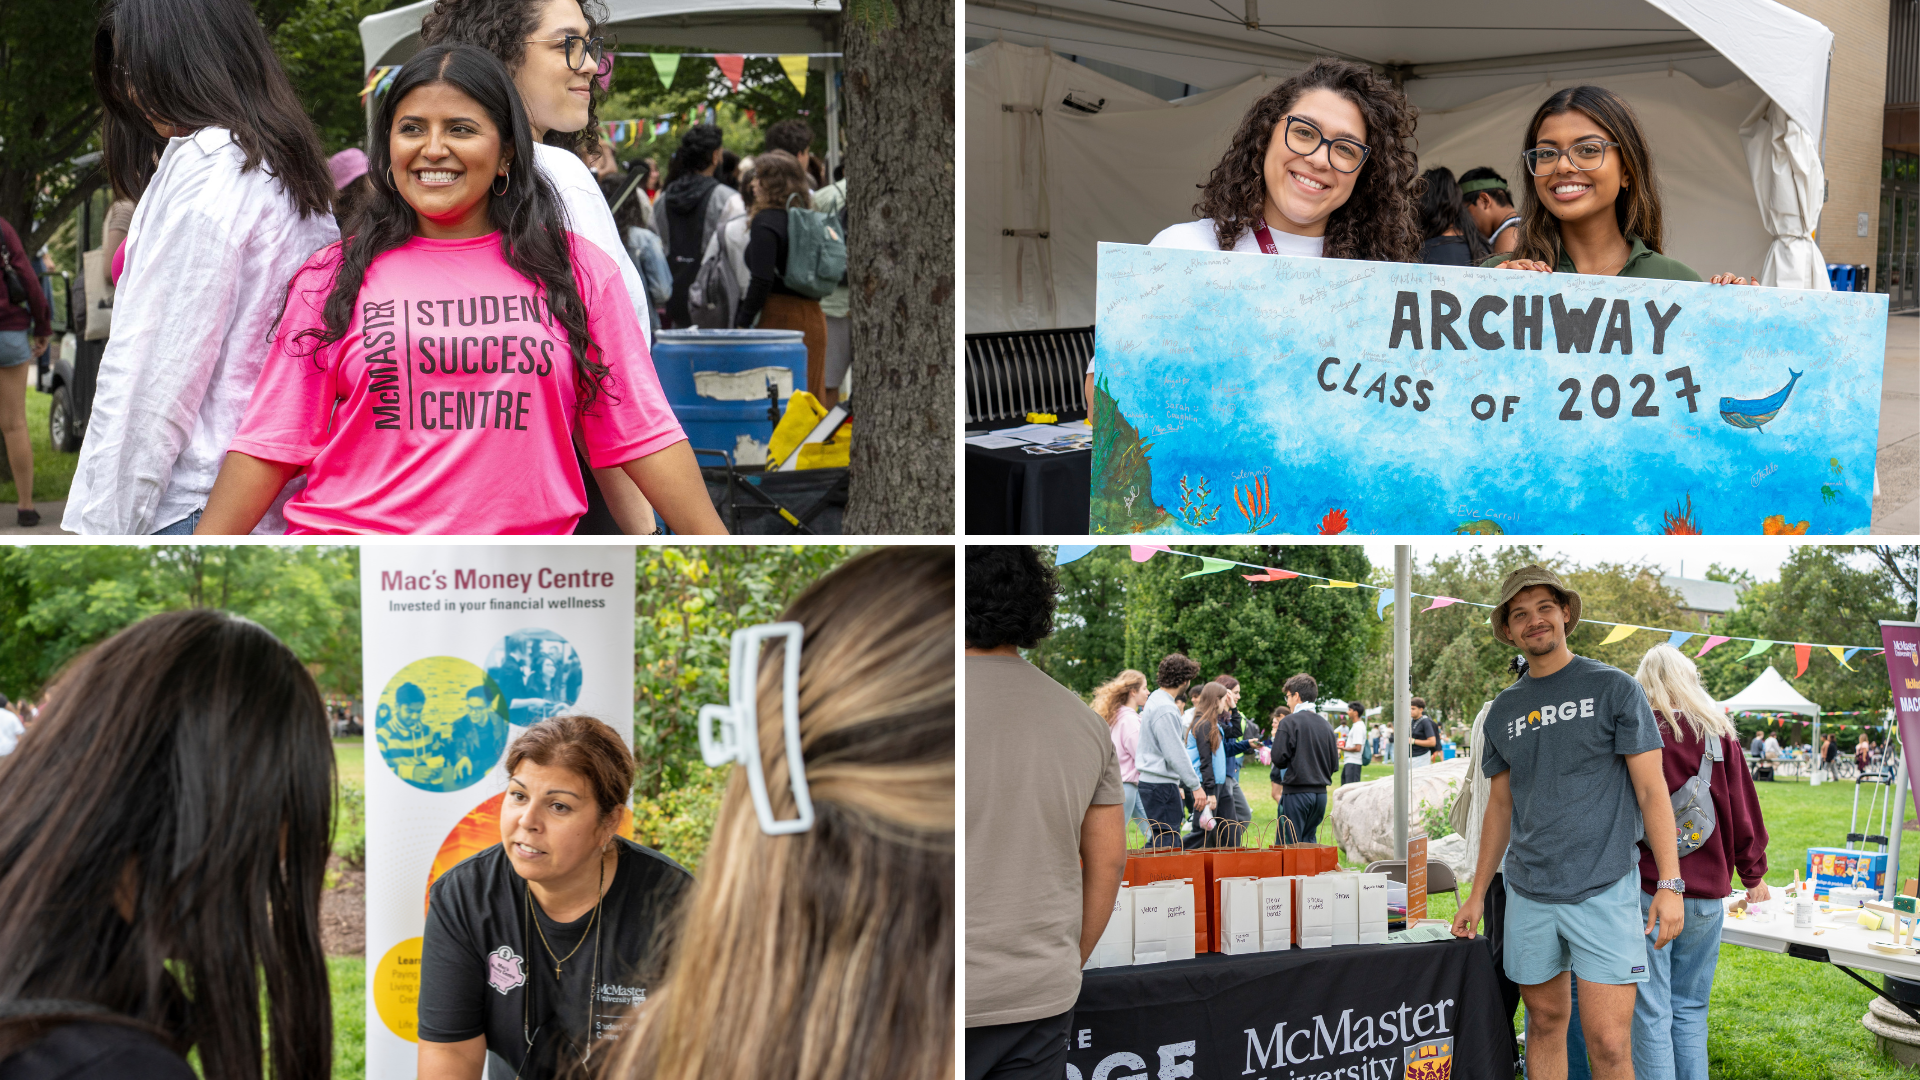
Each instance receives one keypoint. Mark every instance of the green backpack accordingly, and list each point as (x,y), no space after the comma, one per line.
(816,252)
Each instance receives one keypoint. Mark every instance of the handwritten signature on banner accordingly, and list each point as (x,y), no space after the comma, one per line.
(1396,395)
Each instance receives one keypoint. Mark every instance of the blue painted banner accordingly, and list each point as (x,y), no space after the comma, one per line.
(1243,393)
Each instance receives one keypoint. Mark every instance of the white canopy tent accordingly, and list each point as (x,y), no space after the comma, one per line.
(1732,94)
(1771,693)
(747,26)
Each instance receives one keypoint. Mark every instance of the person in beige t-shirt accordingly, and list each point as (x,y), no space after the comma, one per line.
(1046,833)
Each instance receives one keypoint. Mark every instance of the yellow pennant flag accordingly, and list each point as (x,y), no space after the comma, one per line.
(1620,633)
(1332,584)
(796,68)
(1839,655)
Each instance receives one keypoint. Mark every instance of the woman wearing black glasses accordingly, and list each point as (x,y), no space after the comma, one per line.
(555,52)
(1593,206)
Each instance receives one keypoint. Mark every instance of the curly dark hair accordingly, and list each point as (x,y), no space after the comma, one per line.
(1305,685)
(502,27)
(1175,670)
(1379,221)
(1010,596)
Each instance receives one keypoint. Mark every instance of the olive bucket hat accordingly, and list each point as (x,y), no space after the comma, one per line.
(1526,578)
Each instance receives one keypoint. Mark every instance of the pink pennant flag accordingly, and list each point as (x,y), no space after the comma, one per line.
(1442,601)
(1143,552)
(1270,575)
(732,66)
(1712,640)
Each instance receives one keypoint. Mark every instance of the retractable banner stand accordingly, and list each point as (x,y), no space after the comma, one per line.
(1246,393)
(463,648)
(1902,641)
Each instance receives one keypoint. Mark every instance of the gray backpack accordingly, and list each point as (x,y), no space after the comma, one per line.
(1693,817)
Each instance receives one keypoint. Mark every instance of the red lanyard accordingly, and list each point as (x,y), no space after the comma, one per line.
(1266,240)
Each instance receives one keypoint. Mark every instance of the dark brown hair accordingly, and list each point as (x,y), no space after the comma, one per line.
(584,745)
(1305,685)
(1175,669)
(1208,706)
(502,27)
(180,770)
(1636,210)
(1378,221)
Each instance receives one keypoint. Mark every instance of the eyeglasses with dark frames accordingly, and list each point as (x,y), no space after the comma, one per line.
(1303,137)
(1586,156)
(580,50)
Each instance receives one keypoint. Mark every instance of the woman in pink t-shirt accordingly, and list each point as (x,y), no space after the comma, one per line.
(1119,702)
(432,372)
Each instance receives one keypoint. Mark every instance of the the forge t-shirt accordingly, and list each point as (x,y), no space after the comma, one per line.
(449,406)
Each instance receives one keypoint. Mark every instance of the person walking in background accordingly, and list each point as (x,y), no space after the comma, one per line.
(1118,702)
(26,327)
(1353,743)
(1164,768)
(1207,753)
(1829,750)
(1670,1011)
(203,128)
(1303,749)
(1490,205)
(1046,832)
(1450,236)
(1423,734)
(634,218)
(1240,741)
(1862,751)
(1771,749)
(778,185)
(695,205)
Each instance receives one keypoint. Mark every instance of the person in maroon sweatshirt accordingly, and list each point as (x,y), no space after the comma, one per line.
(16,355)
(1670,1013)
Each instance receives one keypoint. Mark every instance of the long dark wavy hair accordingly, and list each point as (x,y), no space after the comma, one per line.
(1637,209)
(163,849)
(530,216)
(1378,221)
(502,27)
(201,63)
(1442,207)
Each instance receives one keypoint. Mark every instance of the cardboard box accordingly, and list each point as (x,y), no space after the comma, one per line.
(1239,915)
(1276,914)
(1150,904)
(1829,867)
(1115,947)
(1180,919)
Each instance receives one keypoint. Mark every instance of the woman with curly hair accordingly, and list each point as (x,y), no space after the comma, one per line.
(1119,702)
(1593,206)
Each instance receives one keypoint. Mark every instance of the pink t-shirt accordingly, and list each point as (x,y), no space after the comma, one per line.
(450,404)
(1125,734)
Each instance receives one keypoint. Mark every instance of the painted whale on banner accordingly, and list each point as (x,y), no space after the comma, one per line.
(1755,413)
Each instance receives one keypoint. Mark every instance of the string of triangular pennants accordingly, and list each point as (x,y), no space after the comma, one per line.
(1803,651)
(732,65)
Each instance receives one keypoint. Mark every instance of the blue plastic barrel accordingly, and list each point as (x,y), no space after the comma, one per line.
(716,382)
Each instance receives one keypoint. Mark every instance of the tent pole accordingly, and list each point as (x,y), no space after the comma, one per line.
(1402,693)
(833,120)
(1892,888)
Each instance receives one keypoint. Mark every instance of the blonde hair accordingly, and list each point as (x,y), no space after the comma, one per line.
(829,953)
(1672,683)
(1115,692)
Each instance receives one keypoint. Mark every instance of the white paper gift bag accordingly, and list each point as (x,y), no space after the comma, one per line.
(1373,908)
(1180,920)
(1276,914)
(1149,903)
(1239,915)
(1313,911)
(1115,947)
(1346,908)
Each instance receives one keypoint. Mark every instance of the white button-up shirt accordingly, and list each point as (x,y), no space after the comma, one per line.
(209,255)
(590,217)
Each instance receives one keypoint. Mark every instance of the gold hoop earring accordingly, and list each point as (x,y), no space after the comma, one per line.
(508,177)
(391,186)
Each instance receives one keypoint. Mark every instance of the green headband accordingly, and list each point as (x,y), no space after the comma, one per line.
(1485,184)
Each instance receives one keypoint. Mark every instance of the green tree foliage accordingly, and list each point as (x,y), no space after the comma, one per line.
(48,114)
(58,600)
(764,89)
(1089,641)
(319,44)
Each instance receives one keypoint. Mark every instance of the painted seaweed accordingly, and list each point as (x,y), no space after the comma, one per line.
(1122,495)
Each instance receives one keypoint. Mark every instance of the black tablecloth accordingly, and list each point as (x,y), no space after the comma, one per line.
(1012,491)
(1352,1012)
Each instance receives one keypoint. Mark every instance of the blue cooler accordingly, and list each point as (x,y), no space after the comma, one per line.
(716,382)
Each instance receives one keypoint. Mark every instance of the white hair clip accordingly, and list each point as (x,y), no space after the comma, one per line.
(731,733)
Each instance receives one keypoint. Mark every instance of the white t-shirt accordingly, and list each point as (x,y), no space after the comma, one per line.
(10,731)
(1356,738)
(589,216)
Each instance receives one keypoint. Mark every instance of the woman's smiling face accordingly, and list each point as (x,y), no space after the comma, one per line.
(556,96)
(1304,190)
(549,823)
(447,154)
(1567,192)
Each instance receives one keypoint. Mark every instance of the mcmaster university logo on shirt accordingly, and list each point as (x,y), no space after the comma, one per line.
(1547,715)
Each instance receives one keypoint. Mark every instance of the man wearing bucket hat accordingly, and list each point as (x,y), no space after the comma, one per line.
(1574,758)
(1491,205)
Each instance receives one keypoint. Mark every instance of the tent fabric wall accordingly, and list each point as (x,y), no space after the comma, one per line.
(390,37)
(1131,170)
(1770,692)
(1790,180)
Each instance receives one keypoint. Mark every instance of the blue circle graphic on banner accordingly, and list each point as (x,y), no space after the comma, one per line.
(441,724)
(538,672)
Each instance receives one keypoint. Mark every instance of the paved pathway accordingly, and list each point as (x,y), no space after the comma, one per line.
(1896,509)
(50,513)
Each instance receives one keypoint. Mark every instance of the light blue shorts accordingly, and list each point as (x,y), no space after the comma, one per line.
(1600,939)
(15,348)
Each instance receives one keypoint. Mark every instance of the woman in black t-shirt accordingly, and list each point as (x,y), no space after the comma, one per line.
(537,947)
(779,181)
(161,862)
(1450,236)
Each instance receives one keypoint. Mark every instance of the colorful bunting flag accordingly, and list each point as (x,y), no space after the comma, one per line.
(1620,633)
(1850,653)
(1712,640)
(373,77)
(1210,566)
(1801,653)
(1442,601)
(1679,638)
(1380,608)
(1840,655)
(1143,552)
(732,65)
(796,68)
(1332,584)
(666,65)
(1271,575)
(1070,552)
(1758,648)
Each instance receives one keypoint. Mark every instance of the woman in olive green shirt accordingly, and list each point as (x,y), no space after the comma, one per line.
(1593,207)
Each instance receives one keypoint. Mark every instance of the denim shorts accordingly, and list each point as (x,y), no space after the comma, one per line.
(15,348)
(1600,939)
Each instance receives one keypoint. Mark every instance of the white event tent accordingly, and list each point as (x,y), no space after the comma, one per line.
(744,26)
(1732,94)
(1772,693)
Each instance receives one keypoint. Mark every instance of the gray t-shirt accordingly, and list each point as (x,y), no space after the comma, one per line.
(1575,818)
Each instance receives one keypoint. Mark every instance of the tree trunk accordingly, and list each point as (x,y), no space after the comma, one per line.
(900,226)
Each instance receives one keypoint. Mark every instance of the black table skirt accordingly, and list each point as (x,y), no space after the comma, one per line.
(1012,491)
(1352,1012)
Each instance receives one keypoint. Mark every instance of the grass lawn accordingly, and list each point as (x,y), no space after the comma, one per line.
(1773,1017)
(349,757)
(347,976)
(52,473)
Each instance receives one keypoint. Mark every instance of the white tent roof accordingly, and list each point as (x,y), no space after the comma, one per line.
(784,26)
(1770,693)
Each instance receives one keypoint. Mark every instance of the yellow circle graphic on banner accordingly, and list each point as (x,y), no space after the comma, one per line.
(441,723)
(396,989)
